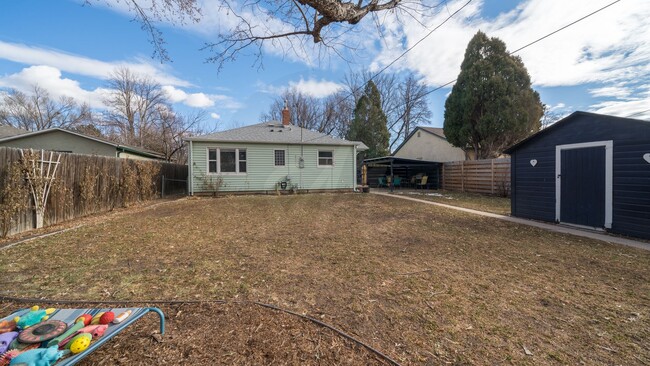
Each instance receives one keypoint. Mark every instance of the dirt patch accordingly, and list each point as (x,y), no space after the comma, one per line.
(423,284)
(224,334)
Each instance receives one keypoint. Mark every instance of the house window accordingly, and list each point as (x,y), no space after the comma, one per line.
(228,161)
(325,158)
(242,160)
(279,157)
(212,160)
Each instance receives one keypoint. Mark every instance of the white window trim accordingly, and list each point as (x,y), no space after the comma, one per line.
(237,149)
(609,154)
(286,155)
(325,166)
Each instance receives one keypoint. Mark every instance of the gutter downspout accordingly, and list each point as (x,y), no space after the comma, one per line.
(190,188)
(354,180)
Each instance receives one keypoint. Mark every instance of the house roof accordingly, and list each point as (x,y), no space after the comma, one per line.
(561,123)
(7,131)
(275,133)
(436,131)
(131,149)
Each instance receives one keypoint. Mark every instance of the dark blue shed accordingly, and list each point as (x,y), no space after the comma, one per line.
(588,170)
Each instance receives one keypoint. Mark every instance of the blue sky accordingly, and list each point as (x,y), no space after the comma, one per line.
(600,65)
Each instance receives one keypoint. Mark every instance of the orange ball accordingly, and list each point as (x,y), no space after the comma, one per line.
(107,318)
(87,318)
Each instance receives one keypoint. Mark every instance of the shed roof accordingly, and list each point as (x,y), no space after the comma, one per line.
(564,121)
(275,133)
(135,150)
(7,131)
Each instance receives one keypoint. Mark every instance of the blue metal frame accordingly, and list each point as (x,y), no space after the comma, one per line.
(76,358)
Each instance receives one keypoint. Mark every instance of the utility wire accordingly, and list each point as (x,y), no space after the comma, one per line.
(638,113)
(510,53)
(355,90)
(537,40)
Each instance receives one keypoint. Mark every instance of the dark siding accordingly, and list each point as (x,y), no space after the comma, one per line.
(631,200)
(535,196)
(534,187)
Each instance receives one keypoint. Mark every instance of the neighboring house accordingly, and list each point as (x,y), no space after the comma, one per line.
(587,169)
(8,131)
(58,139)
(428,144)
(269,156)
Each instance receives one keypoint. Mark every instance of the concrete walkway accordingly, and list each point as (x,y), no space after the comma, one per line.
(541,225)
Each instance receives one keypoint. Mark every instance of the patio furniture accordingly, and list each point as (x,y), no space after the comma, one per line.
(397,182)
(381,182)
(412,182)
(423,182)
(69,316)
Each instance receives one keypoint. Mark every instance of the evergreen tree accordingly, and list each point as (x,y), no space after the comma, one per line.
(492,105)
(369,124)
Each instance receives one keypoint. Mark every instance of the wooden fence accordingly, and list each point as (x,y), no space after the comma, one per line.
(478,176)
(87,184)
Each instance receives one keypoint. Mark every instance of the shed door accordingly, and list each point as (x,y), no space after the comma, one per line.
(582,200)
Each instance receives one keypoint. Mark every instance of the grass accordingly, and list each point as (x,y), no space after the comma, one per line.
(476,201)
(424,284)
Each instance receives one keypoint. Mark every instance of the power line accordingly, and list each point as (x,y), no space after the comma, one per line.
(404,53)
(638,113)
(537,40)
(510,53)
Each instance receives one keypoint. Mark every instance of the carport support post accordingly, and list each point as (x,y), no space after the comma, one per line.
(392,179)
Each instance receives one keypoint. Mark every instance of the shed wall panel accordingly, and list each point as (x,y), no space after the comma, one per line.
(534,187)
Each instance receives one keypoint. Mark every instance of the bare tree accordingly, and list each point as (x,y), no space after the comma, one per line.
(402,100)
(412,109)
(133,106)
(173,128)
(298,22)
(326,115)
(38,111)
(549,117)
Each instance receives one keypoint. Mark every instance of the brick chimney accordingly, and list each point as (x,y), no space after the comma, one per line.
(286,115)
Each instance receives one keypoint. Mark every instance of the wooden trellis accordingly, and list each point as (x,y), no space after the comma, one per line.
(40,174)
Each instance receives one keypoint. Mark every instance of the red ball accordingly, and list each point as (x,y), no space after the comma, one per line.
(87,318)
(107,318)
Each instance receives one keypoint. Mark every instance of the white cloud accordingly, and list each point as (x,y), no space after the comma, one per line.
(634,107)
(611,45)
(50,79)
(315,88)
(215,115)
(81,65)
(611,91)
(311,87)
(200,100)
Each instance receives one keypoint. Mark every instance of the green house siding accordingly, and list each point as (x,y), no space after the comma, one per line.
(262,174)
(61,141)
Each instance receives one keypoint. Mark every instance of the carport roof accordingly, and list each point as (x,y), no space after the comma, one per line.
(399,161)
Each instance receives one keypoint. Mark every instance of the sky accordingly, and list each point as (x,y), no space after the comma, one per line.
(70,48)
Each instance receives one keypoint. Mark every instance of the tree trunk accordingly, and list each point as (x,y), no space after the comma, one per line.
(39,214)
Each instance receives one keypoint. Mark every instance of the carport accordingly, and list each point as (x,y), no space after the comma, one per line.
(391,167)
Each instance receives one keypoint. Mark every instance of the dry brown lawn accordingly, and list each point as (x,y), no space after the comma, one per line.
(424,284)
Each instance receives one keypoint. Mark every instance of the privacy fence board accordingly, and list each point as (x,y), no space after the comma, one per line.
(490,176)
(88,184)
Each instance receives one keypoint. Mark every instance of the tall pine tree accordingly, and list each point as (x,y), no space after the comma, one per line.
(370,123)
(492,105)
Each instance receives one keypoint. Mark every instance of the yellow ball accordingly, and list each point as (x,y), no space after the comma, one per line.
(80,343)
